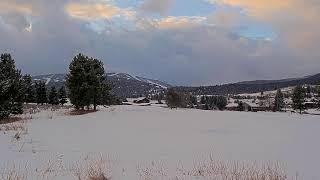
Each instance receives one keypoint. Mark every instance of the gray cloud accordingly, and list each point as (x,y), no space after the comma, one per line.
(158,7)
(196,55)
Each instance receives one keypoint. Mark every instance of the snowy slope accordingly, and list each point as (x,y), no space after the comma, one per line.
(131,137)
(125,84)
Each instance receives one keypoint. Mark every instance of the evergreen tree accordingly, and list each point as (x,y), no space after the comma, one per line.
(62,96)
(53,96)
(221,102)
(317,91)
(203,100)
(279,101)
(308,91)
(11,87)
(29,96)
(241,106)
(86,82)
(105,97)
(194,100)
(41,91)
(298,98)
(173,99)
(159,98)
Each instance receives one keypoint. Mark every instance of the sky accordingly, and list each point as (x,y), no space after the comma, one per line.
(182,42)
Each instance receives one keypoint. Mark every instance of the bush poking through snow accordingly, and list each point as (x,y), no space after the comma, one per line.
(98,169)
(15,126)
(217,170)
(14,173)
(175,99)
(81,112)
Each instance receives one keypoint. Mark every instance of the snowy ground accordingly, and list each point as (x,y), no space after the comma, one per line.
(130,137)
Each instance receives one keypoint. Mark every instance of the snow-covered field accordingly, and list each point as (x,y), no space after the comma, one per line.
(133,139)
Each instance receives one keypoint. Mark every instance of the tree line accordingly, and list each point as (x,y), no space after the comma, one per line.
(177,99)
(86,87)
(37,92)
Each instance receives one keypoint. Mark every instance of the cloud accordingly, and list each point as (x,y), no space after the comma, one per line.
(157,6)
(14,13)
(180,22)
(95,11)
(12,6)
(295,21)
(258,8)
(184,50)
(226,18)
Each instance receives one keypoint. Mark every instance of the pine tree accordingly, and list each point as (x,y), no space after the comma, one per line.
(159,98)
(279,101)
(53,96)
(241,106)
(11,87)
(221,102)
(41,91)
(318,91)
(203,100)
(308,91)
(87,83)
(298,98)
(194,100)
(173,99)
(29,96)
(318,96)
(98,85)
(62,96)
(105,97)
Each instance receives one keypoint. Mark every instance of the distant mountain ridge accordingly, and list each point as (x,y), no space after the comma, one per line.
(127,85)
(251,86)
(124,85)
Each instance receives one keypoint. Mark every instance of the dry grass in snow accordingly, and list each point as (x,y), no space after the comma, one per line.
(95,169)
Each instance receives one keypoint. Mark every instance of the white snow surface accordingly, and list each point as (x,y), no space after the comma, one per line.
(157,84)
(133,135)
(49,79)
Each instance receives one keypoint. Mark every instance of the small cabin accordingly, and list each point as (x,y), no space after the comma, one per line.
(141,101)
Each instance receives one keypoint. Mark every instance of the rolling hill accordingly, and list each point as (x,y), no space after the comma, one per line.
(127,85)
(124,85)
(251,86)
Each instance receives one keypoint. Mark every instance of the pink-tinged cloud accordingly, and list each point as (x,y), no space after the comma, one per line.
(295,21)
(95,11)
(180,22)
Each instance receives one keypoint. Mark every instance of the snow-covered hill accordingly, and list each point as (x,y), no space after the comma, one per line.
(151,142)
(125,85)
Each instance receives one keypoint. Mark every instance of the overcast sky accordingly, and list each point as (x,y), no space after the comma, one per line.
(184,42)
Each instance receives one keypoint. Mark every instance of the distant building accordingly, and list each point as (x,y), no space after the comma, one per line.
(310,105)
(247,106)
(141,101)
(232,107)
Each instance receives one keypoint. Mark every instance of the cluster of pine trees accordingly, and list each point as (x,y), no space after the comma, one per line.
(87,83)
(176,99)
(214,102)
(279,103)
(16,89)
(12,87)
(44,96)
(299,96)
